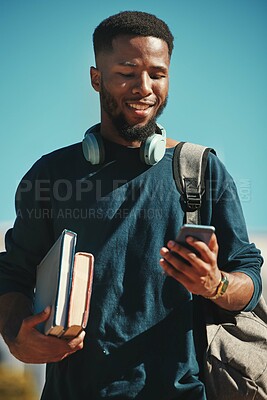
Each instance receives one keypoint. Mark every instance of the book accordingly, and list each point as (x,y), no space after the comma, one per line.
(80,294)
(64,282)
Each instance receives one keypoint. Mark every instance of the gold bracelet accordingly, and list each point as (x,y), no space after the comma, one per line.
(221,289)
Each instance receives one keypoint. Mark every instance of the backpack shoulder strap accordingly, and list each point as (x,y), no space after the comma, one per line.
(189,166)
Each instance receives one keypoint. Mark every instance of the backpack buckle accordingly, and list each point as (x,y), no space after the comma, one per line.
(192,194)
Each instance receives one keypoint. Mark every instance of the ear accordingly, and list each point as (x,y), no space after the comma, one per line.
(95,78)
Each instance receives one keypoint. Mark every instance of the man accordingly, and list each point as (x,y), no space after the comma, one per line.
(139,340)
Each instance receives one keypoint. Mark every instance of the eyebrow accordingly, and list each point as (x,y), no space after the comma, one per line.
(131,64)
(127,64)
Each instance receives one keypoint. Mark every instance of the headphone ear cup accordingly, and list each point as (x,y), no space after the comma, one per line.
(153,149)
(93,147)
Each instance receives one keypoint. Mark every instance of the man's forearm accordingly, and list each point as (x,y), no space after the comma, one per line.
(14,307)
(239,292)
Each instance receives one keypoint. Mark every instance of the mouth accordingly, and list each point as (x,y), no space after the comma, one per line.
(140,109)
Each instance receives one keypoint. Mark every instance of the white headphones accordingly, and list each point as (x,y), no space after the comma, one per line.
(151,151)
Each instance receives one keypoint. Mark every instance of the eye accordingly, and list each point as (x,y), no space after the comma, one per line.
(157,76)
(129,75)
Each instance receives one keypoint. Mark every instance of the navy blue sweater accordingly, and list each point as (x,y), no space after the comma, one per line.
(139,342)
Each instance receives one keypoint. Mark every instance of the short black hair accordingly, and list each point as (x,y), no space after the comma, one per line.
(130,23)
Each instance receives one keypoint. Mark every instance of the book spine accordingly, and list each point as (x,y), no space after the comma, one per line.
(70,280)
(89,293)
(74,236)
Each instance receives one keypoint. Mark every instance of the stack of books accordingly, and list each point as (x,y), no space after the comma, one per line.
(64,282)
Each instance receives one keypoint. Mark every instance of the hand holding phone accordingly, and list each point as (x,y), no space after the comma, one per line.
(198,274)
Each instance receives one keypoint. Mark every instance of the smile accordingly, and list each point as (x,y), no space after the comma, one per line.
(139,106)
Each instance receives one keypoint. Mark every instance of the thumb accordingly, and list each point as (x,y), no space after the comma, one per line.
(36,319)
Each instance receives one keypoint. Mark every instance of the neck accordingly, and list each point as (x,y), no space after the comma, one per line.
(110,132)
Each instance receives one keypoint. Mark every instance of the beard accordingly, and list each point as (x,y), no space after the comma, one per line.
(128,132)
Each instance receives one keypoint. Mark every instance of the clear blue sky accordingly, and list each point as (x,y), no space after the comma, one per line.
(218,93)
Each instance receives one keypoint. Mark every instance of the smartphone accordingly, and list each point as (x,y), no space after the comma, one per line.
(200,232)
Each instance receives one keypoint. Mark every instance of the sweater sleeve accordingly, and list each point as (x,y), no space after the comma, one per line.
(31,236)
(236,253)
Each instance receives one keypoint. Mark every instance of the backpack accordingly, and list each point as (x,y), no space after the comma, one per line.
(235,358)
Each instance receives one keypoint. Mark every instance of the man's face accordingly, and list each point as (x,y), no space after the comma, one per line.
(133,85)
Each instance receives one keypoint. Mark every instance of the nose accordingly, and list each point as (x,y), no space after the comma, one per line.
(143,85)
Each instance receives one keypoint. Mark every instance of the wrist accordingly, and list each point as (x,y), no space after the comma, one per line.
(221,288)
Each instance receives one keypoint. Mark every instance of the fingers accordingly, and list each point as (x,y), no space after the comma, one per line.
(182,258)
(34,320)
(208,253)
(70,347)
(64,348)
(174,272)
(198,254)
(194,267)
(77,342)
(33,347)
(213,244)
